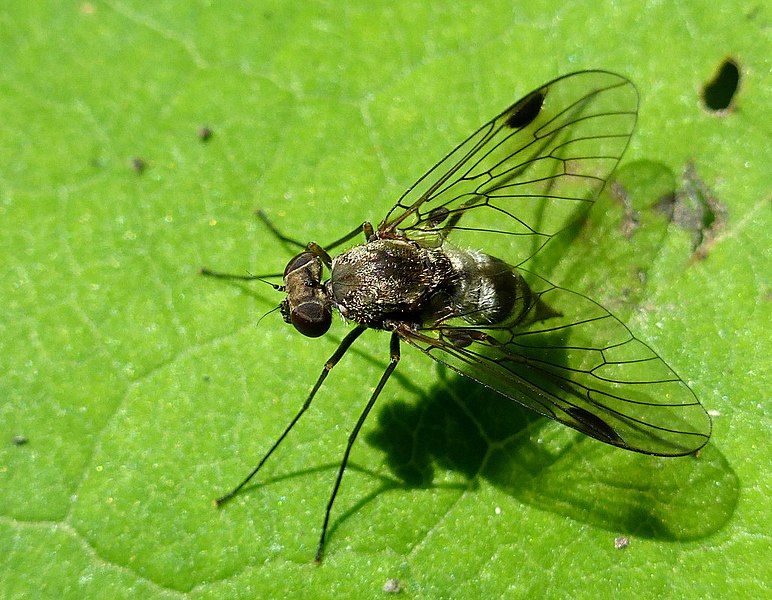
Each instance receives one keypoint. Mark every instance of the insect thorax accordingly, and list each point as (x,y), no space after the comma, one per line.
(399,280)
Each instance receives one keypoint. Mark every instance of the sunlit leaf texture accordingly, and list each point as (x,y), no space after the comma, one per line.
(133,391)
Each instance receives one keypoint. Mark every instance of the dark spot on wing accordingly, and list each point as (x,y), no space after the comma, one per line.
(437,215)
(525,112)
(459,338)
(719,93)
(593,425)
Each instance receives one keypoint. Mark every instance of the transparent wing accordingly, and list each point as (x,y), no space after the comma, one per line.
(531,170)
(569,359)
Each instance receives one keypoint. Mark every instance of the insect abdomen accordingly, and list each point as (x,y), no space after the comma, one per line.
(489,291)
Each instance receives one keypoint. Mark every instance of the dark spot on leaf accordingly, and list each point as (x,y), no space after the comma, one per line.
(753,13)
(205,133)
(719,93)
(593,425)
(526,110)
(98,162)
(138,165)
(19,440)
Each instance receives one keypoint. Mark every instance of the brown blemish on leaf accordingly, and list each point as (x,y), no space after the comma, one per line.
(205,133)
(138,165)
(695,208)
(631,219)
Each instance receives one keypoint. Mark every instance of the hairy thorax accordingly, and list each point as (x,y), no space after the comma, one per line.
(388,280)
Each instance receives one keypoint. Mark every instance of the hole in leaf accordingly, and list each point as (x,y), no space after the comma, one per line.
(719,92)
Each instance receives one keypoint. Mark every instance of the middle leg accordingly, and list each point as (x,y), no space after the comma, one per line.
(394,359)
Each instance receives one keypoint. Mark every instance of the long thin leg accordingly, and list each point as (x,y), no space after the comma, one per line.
(320,251)
(353,436)
(333,360)
(366,227)
(279,235)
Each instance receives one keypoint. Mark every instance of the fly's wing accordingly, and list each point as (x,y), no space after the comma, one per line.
(531,170)
(569,359)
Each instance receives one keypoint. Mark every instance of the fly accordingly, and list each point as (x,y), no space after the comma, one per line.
(522,178)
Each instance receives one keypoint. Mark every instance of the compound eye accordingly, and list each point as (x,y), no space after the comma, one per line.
(311,318)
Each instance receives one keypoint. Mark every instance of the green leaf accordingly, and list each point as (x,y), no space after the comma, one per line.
(144,390)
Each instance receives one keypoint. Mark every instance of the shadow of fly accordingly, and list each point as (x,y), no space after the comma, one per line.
(513,184)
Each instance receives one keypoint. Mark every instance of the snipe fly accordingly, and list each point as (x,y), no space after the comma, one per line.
(521,178)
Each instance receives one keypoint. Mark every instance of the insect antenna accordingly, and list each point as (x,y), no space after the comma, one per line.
(273,310)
